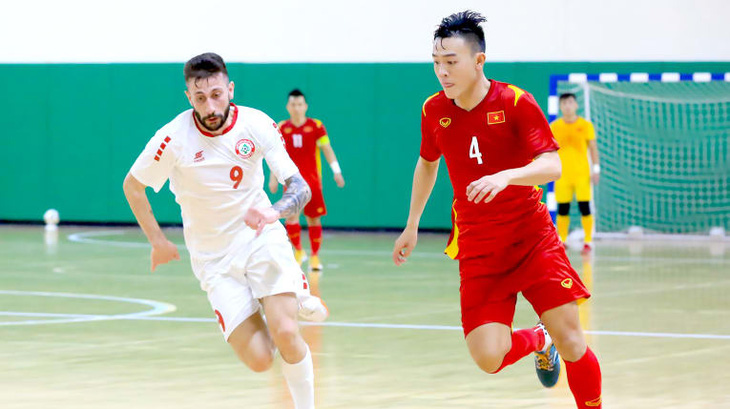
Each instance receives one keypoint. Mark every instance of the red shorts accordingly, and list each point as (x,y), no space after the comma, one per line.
(540,270)
(315,207)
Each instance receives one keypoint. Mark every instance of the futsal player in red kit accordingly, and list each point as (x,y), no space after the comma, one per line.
(498,146)
(304,138)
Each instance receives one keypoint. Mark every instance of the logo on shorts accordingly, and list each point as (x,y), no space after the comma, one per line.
(567,283)
(245,148)
(594,403)
(220,320)
(445,122)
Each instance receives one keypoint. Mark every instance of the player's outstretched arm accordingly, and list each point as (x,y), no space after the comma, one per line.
(545,168)
(163,251)
(424,178)
(295,197)
(329,154)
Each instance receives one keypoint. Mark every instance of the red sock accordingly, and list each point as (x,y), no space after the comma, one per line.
(315,238)
(584,378)
(524,342)
(295,235)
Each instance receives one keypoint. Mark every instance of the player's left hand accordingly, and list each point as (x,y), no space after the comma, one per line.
(487,187)
(258,217)
(595,177)
(340,180)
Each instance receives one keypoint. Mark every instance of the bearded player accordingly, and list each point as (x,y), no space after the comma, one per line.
(212,155)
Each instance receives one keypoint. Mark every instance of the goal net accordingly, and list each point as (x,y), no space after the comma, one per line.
(665,153)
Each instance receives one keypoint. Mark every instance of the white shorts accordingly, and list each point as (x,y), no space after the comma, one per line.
(261,267)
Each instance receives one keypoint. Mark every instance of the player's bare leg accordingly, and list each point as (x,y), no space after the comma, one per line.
(494,346)
(583,370)
(253,344)
(488,344)
(314,225)
(281,312)
(294,231)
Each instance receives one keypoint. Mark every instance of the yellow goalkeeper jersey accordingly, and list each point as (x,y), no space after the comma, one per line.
(573,140)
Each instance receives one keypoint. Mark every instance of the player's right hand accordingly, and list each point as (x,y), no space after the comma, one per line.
(273,185)
(163,254)
(258,217)
(339,179)
(404,245)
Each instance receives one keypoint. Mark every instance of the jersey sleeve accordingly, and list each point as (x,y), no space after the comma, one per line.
(429,149)
(154,165)
(274,151)
(532,127)
(321,133)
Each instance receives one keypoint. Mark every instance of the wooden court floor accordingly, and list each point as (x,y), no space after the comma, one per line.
(84,324)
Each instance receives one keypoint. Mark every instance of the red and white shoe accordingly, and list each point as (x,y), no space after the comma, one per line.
(587,249)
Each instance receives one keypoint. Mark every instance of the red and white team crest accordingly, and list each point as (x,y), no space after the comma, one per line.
(245,148)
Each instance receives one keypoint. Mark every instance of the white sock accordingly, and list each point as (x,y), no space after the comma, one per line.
(300,378)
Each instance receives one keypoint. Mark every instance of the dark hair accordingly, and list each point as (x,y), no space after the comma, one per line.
(464,24)
(297,93)
(204,66)
(567,95)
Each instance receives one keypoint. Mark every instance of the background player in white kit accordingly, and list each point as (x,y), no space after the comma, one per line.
(239,250)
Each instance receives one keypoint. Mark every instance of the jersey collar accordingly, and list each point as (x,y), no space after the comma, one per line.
(210,135)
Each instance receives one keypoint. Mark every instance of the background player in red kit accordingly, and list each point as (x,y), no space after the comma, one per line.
(304,137)
(497,146)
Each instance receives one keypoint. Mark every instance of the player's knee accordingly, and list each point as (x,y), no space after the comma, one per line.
(285,334)
(490,359)
(563,209)
(260,362)
(256,359)
(570,344)
(585,208)
(489,364)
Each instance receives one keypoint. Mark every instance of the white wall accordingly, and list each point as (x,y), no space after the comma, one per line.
(359,31)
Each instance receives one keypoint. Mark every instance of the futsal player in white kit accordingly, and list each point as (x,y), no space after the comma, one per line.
(212,155)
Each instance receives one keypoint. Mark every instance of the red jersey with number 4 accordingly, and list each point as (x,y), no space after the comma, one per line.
(302,145)
(505,130)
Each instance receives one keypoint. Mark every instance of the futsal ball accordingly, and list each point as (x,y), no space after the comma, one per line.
(51,217)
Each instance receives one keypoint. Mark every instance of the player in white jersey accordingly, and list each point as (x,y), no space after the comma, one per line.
(212,155)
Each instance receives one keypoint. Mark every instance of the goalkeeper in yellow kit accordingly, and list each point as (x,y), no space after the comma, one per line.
(576,138)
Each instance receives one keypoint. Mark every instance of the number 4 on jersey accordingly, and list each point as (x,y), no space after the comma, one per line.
(474,150)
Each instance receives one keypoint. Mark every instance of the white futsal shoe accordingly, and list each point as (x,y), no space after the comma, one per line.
(312,308)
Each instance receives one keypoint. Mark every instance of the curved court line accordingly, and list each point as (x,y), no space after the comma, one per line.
(88,238)
(158,308)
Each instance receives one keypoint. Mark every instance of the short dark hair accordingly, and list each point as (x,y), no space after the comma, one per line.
(464,24)
(297,93)
(567,95)
(204,65)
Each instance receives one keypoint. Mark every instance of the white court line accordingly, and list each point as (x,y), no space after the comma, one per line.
(389,326)
(87,237)
(158,308)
